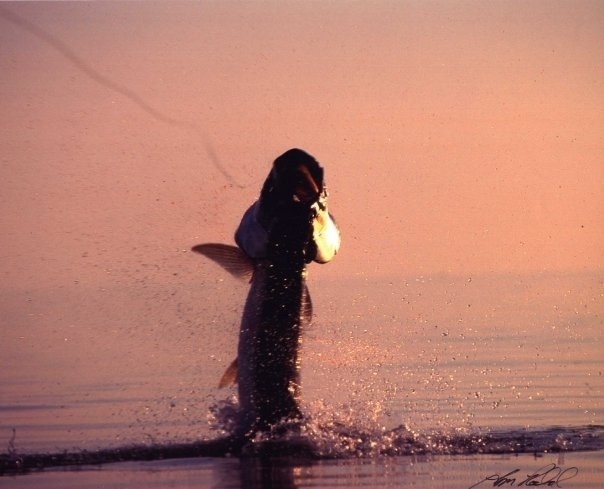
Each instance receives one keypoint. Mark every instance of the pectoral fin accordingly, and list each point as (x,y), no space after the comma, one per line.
(231,258)
(229,377)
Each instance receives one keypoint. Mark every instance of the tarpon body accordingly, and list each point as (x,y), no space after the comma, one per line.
(287,228)
(277,307)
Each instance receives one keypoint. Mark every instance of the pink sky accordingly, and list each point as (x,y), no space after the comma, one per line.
(462,137)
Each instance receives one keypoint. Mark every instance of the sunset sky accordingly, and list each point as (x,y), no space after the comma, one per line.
(461,137)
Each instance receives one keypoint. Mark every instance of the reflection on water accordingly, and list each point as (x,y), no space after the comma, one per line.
(425,472)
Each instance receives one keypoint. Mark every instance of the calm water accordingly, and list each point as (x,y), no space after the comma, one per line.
(431,381)
(422,472)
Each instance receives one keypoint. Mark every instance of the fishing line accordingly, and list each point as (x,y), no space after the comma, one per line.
(103,80)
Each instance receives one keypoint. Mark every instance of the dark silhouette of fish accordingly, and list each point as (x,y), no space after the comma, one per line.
(279,235)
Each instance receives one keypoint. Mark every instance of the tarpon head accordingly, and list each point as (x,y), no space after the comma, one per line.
(288,205)
(297,175)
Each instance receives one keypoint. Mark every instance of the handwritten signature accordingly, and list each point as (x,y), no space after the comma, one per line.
(550,475)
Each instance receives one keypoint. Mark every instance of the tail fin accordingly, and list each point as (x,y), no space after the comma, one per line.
(229,377)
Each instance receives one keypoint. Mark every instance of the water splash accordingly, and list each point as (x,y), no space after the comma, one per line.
(357,432)
(329,434)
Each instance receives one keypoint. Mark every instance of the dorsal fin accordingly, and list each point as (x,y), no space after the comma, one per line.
(229,257)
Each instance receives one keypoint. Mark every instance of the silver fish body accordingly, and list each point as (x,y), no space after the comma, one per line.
(275,313)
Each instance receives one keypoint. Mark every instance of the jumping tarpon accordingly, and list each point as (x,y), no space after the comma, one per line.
(288,227)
